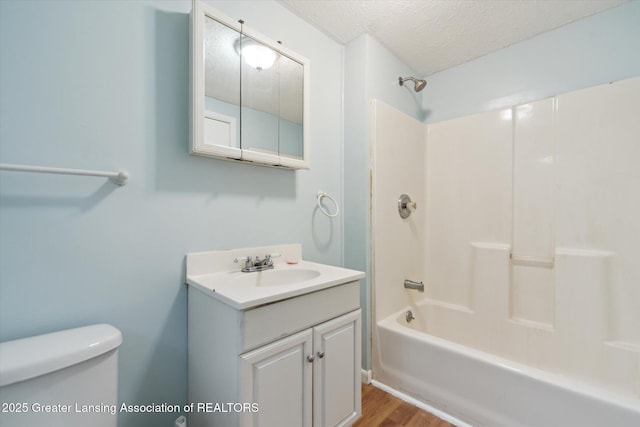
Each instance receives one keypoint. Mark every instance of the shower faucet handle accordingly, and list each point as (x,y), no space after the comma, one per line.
(406,206)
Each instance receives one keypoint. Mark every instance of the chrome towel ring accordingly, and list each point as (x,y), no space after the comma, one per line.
(322,195)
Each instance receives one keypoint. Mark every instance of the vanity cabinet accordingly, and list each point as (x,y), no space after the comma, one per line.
(318,368)
(298,359)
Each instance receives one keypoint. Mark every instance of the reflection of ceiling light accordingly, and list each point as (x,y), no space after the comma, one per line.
(255,54)
(259,57)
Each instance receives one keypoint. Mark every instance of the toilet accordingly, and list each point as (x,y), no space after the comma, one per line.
(67,378)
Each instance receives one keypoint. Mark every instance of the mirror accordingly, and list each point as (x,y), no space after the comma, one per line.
(250,95)
(221,88)
(291,109)
(260,94)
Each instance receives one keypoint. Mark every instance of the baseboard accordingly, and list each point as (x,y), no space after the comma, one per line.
(415,402)
(365,376)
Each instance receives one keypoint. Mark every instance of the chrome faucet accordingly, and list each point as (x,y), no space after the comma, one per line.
(266,262)
(257,264)
(410,284)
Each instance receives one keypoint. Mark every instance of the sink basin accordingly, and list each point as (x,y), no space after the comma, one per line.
(276,277)
(216,274)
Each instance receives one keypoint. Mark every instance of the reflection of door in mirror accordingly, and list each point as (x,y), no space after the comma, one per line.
(222,85)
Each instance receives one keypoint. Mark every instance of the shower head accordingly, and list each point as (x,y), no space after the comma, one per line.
(419,84)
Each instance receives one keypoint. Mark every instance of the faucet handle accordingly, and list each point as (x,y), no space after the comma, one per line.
(268,257)
(246,259)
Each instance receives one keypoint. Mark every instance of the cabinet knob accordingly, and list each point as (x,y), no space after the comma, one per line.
(321,354)
(310,358)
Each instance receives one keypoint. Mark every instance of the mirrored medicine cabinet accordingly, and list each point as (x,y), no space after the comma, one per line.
(249,94)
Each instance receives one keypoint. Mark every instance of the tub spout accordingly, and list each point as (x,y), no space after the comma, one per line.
(410,284)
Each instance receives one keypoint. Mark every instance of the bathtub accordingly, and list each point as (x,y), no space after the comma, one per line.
(481,389)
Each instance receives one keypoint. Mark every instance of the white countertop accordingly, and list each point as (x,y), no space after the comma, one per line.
(225,287)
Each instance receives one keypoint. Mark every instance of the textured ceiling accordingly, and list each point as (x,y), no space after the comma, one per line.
(432,35)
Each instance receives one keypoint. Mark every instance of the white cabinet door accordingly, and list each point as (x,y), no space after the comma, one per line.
(278,378)
(336,371)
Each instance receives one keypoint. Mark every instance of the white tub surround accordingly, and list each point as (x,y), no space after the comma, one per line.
(526,242)
(256,341)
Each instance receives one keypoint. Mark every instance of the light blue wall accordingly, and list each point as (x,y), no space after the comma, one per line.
(104,85)
(371,72)
(595,50)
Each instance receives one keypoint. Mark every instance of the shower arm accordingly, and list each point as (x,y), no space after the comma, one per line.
(418,84)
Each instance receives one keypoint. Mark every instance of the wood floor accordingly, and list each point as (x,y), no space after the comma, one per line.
(382,409)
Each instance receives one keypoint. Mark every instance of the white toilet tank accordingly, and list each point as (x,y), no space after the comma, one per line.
(67,378)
